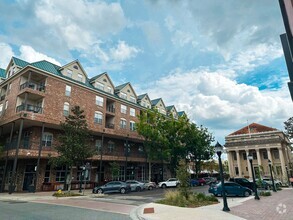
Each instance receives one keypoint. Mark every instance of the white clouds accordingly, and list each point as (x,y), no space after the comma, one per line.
(216,101)
(123,51)
(80,23)
(6,54)
(181,39)
(28,54)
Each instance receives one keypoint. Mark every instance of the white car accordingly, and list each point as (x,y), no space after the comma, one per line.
(269,181)
(172,182)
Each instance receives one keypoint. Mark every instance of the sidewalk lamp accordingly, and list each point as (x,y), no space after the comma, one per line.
(250,158)
(273,182)
(219,150)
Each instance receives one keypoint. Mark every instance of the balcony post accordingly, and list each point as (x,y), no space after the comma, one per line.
(12,181)
(39,157)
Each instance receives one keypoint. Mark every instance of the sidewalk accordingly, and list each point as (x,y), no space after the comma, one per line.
(278,206)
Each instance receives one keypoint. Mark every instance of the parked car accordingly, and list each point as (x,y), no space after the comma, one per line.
(210,180)
(278,183)
(243,182)
(231,189)
(113,186)
(172,182)
(262,184)
(194,182)
(150,185)
(136,185)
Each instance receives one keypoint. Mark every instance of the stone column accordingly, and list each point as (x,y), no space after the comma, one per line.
(284,172)
(239,163)
(271,159)
(258,157)
(230,163)
(248,164)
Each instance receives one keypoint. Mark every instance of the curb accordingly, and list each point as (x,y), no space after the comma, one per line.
(135,213)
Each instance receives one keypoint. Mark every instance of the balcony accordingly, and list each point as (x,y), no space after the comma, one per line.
(2,97)
(109,125)
(34,86)
(29,108)
(111,109)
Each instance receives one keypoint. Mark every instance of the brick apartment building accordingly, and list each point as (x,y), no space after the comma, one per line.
(36,97)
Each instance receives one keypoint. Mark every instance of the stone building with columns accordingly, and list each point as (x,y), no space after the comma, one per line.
(264,144)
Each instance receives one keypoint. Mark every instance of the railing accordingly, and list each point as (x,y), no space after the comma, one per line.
(34,86)
(111,109)
(29,108)
(109,125)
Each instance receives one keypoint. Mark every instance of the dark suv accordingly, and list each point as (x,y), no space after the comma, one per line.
(243,182)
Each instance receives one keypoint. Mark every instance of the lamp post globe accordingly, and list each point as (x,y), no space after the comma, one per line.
(250,158)
(219,150)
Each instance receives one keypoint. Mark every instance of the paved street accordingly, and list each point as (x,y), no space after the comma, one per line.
(22,210)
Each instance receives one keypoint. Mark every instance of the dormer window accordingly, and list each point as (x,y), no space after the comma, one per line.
(100,85)
(75,67)
(123,95)
(79,77)
(104,80)
(69,73)
(109,89)
(132,99)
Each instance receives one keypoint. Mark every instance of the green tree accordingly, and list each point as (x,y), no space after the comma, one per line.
(74,146)
(183,176)
(150,122)
(198,145)
(289,128)
(115,168)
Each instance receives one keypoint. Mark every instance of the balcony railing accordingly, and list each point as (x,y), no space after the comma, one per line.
(29,108)
(34,86)
(111,109)
(109,125)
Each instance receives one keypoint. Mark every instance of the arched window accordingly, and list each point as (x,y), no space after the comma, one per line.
(123,123)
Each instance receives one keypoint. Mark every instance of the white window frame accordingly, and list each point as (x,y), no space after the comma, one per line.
(69,73)
(123,95)
(111,146)
(98,144)
(79,77)
(98,118)
(66,109)
(109,89)
(6,104)
(132,99)
(100,85)
(132,112)
(132,126)
(1,109)
(123,123)
(47,139)
(99,101)
(68,90)
(123,109)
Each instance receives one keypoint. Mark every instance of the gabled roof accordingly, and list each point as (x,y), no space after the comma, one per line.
(78,63)
(19,62)
(140,97)
(155,101)
(118,88)
(253,128)
(2,73)
(169,108)
(100,75)
(180,114)
(47,66)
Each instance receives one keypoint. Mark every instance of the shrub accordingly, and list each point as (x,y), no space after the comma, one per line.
(59,193)
(176,198)
(265,193)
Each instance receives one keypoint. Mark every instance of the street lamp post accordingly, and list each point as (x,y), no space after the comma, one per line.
(273,182)
(219,149)
(81,175)
(250,158)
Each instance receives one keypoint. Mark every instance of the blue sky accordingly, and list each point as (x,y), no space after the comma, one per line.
(220,61)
